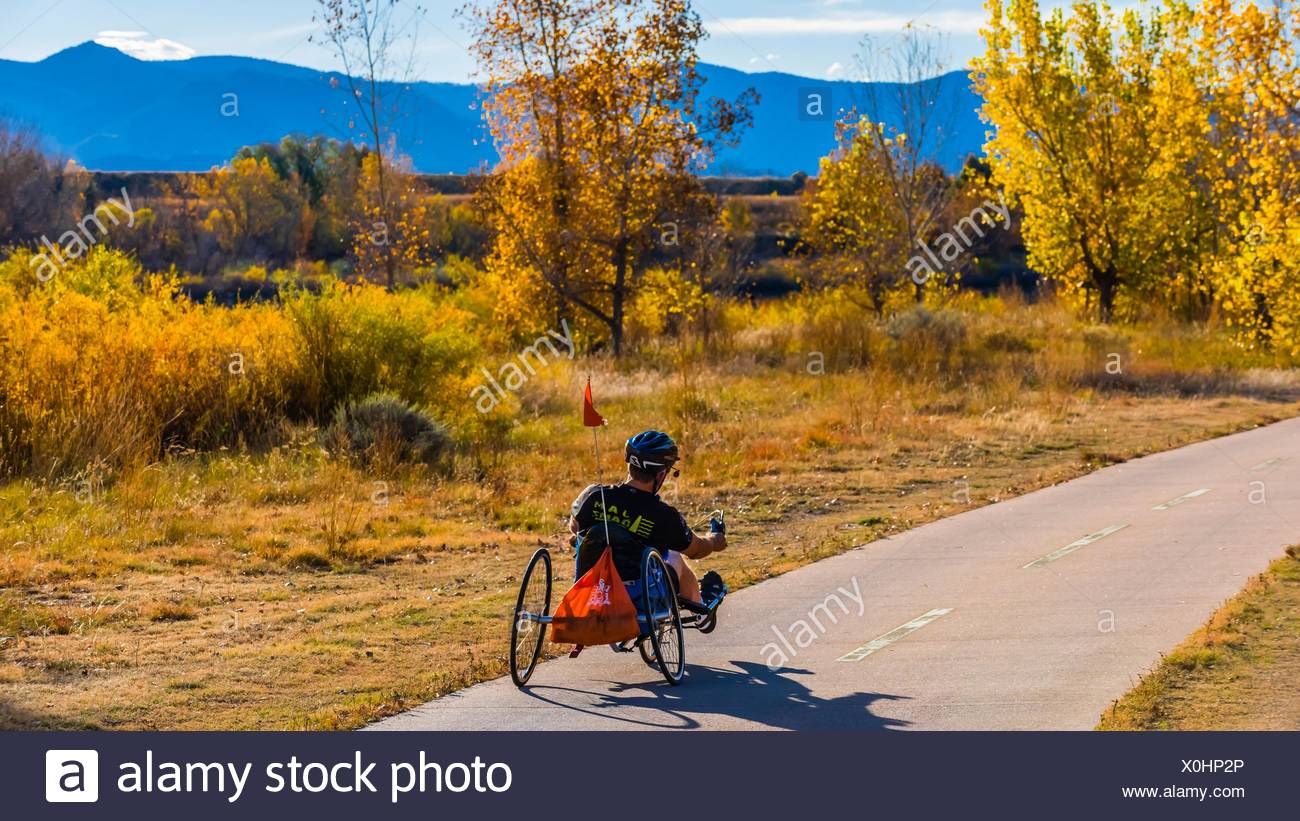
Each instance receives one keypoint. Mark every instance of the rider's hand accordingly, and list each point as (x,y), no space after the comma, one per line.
(718,541)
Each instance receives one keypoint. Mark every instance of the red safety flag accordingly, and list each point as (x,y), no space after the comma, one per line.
(590,418)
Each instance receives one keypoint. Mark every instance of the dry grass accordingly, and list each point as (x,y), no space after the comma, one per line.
(287,589)
(1237,672)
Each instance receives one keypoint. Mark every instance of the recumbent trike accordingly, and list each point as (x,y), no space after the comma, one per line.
(662,615)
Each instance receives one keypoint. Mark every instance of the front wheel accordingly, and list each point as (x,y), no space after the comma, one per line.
(527,631)
(664,621)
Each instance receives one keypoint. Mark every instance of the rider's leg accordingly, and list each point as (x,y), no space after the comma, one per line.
(688,584)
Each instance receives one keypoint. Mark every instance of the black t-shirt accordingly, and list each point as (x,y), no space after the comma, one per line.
(652,521)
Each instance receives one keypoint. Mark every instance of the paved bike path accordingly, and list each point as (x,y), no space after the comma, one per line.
(1033,613)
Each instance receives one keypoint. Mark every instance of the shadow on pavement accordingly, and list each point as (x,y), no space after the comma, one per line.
(750,693)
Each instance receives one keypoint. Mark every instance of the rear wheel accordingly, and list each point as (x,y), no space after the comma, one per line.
(664,619)
(527,632)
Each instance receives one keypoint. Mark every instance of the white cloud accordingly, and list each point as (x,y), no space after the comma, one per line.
(142,46)
(956,22)
(835,70)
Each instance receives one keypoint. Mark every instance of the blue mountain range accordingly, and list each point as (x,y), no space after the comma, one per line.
(113,112)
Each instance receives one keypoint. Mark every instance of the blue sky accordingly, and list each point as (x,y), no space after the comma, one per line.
(816,38)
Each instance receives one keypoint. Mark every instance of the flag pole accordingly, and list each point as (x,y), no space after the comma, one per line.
(595,448)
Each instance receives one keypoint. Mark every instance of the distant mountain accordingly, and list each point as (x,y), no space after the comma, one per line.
(112,112)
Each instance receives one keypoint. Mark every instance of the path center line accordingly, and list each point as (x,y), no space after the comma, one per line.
(1073,546)
(894,635)
(1181,499)
(1268,464)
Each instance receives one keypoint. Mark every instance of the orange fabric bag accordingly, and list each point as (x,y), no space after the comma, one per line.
(597,609)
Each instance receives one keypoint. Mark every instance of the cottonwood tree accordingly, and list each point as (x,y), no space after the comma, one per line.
(594,109)
(1249,61)
(851,218)
(909,99)
(1085,141)
(374,40)
(327,173)
(251,211)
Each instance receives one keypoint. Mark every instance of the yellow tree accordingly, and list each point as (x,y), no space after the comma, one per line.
(593,106)
(392,230)
(252,211)
(1188,238)
(851,220)
(1250,56)
(915,113)
(1083,138)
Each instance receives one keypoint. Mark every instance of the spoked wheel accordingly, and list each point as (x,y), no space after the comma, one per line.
(527,632)
(665,621)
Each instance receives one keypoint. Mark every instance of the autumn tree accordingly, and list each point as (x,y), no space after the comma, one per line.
(374,41)
(327,174)
(594,109)
(851,220)
(251,211)
(400,232)
(908,95)
(736,224)
(38,194)
(1248,56)
(1084,138)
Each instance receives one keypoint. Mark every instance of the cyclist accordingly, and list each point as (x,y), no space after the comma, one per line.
(634,512)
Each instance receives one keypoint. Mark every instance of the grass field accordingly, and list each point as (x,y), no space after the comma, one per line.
(291,589)
(1238,672)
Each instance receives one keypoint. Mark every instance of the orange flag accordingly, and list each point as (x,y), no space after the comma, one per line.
(590,418)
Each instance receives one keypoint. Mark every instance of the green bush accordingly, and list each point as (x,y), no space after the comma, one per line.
(356,341)
(384,429)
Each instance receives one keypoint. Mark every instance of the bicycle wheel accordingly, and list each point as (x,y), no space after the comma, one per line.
(526,632)
(659,599)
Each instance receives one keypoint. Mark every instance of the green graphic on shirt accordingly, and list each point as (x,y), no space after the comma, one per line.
(641,526)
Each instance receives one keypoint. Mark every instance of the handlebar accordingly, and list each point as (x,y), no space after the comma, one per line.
(717,523)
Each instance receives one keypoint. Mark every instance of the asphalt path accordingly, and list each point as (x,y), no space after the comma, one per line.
(1033,613)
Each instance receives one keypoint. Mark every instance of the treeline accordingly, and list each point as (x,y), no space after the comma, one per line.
(1156,155)
(290,204)
(1147,160)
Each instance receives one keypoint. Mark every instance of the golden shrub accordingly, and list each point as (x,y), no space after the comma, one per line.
(105,367)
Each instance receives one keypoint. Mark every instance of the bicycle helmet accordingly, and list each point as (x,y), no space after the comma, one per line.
(651,450)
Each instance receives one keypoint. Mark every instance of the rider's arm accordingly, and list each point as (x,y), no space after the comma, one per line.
(702,546)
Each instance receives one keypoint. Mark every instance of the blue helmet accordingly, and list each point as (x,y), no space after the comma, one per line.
(651,450)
